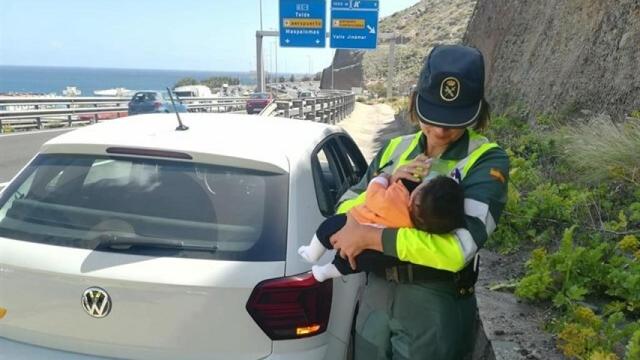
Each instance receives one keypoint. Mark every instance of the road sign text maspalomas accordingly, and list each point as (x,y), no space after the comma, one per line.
(354,24)
(302,23)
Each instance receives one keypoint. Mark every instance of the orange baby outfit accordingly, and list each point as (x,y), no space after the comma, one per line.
(384,204)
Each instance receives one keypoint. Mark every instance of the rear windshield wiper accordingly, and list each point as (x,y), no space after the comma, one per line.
(121,242)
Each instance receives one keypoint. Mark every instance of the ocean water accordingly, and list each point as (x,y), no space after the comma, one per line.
(35,79)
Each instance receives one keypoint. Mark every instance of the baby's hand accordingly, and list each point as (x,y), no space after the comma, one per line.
(415,170)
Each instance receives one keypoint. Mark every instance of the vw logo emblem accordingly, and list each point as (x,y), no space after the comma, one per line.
(96,302)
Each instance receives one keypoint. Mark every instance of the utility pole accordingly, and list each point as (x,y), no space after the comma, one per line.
(391,37)
(391,70)
(259,63)
(332,72)
(260,59)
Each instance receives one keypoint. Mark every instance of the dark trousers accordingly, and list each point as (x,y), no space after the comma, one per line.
(368,260)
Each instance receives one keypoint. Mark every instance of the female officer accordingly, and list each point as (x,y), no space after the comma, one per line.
(426,308)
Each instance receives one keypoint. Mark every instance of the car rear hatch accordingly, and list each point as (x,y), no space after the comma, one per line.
(143,103)
(139,258)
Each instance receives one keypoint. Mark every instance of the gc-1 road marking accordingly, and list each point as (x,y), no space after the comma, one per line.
(34,132)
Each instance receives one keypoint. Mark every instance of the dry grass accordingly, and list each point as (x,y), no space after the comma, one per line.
(604,150)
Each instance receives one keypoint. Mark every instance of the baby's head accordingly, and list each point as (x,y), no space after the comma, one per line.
(437,206)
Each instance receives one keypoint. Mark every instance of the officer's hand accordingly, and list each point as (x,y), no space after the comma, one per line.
(354,238)
(416,170)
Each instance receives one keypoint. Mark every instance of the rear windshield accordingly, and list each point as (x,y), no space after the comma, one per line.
(259,96)
(144,96)
(184,93)
(148,207)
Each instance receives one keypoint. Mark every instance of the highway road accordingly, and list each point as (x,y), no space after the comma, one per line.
(17,149)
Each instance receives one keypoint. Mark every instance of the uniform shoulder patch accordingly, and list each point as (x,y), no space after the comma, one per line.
(497,175)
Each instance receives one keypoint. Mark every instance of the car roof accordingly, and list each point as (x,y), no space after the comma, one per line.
(148,91)
(248,139)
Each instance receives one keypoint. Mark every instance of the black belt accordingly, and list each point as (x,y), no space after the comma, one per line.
(464,280)
(407,273)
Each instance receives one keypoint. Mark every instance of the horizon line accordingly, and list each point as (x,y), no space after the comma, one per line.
(142,69)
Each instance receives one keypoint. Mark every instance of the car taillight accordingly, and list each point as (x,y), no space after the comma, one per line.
(291,307)
(157,105)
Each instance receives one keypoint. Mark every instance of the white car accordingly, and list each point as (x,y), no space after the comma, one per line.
(132,239)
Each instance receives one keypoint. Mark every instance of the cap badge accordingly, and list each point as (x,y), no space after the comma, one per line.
(450,89)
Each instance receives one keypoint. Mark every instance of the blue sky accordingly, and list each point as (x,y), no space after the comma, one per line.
(181,34)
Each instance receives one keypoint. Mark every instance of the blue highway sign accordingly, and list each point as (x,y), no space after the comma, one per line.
(354,24)
(302,23)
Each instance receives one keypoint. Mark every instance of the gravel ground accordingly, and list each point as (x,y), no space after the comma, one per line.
(514,328)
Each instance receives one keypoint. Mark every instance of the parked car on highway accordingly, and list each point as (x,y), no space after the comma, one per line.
(131,239)
(102,115)
(258,101)
(306,94)
(144,102)
(195,91)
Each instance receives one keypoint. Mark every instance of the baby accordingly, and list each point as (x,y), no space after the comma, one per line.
(435,206)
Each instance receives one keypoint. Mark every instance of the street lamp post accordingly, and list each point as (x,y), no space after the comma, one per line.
(275,46)
(260,15)
(259,55)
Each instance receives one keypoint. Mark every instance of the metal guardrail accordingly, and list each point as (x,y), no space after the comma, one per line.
(21,113)
(327,108)
(42,112)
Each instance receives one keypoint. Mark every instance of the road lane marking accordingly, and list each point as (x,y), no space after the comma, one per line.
(35,132)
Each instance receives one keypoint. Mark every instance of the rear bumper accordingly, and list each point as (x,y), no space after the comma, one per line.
(13,350)
(318,353)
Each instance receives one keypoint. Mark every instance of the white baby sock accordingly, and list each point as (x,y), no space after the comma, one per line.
(312,252)
(324,272)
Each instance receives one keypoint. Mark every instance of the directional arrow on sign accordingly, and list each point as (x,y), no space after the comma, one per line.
(372,30)
(287,41)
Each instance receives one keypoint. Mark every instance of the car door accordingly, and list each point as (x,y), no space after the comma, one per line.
(336,165)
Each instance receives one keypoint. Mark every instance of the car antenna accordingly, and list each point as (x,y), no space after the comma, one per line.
(181,126)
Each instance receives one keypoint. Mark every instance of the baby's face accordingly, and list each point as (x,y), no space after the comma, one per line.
(414,198)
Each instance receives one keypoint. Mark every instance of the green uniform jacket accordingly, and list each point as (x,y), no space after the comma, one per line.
(484,181)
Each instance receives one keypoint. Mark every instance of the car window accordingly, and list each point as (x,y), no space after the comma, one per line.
(76,201)
(354,162)
(258,96)
(329,176)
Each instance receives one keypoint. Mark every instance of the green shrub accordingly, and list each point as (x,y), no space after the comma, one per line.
(585,335)
(571,198)
(601,150)
(633,347)
(378,89)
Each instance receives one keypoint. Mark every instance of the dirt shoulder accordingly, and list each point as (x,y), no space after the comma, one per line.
(514,328)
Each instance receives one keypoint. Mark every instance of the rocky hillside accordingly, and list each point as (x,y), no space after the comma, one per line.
(560,56)
(421,26)
(418,28)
